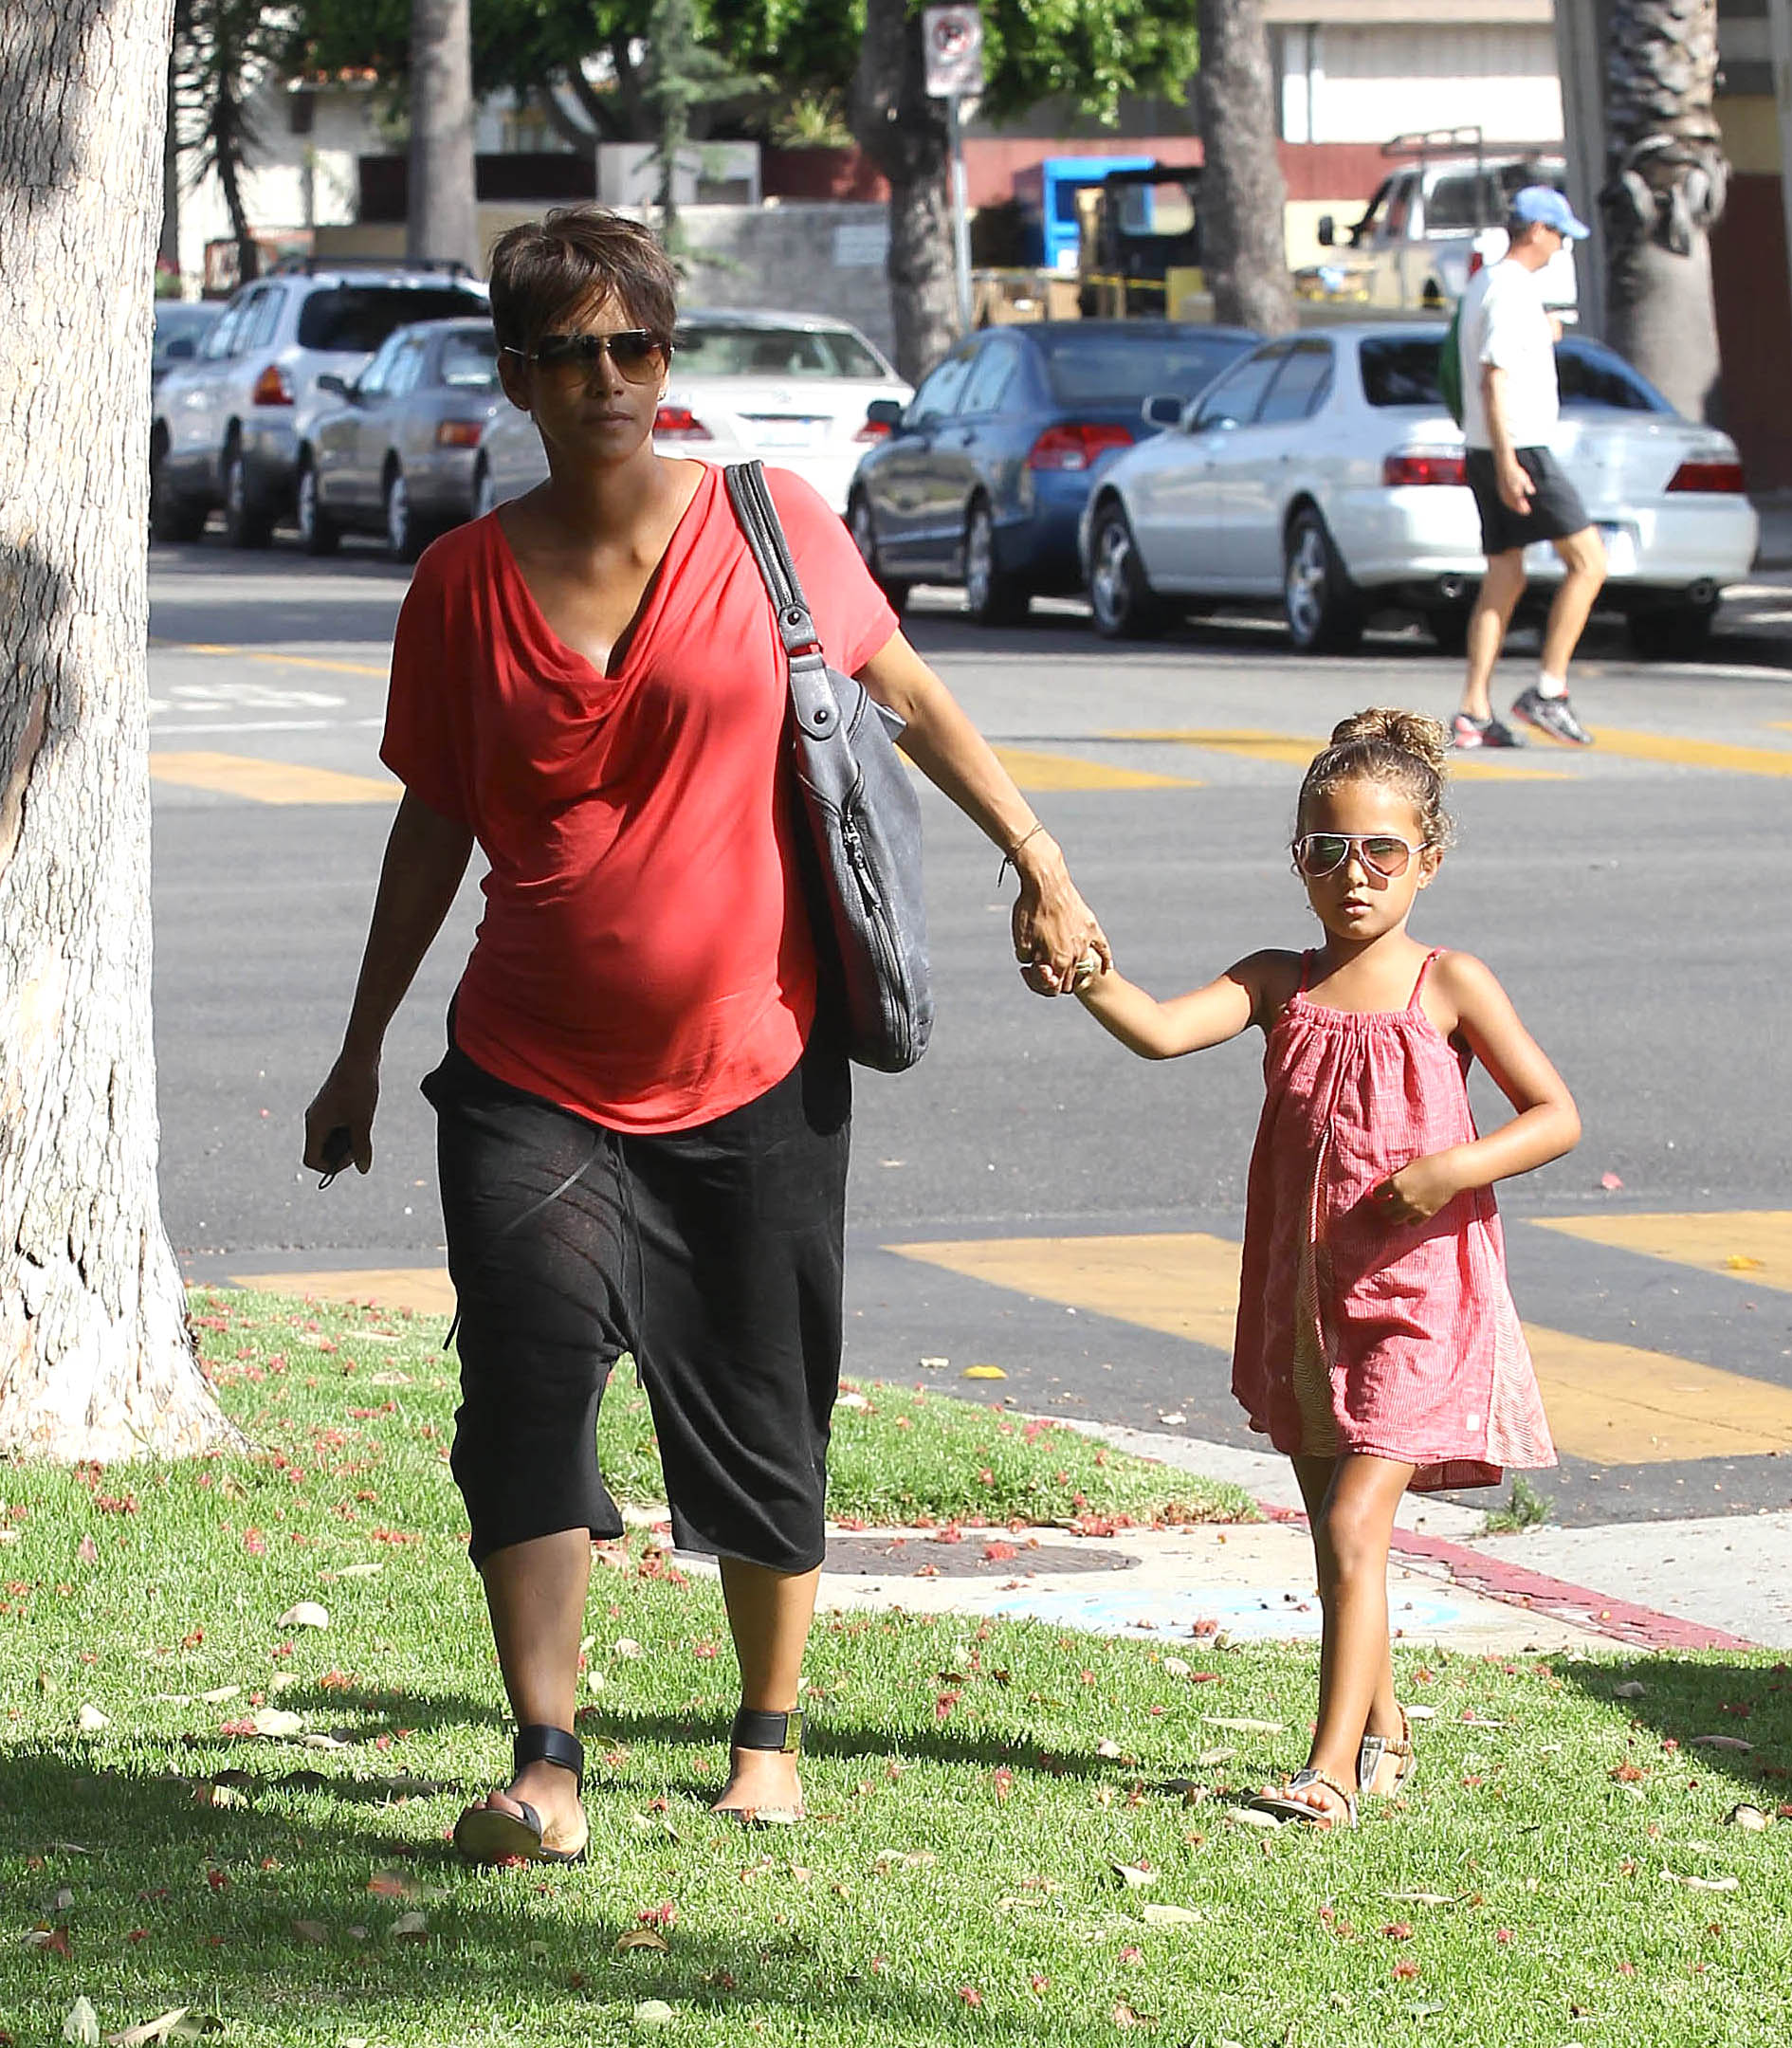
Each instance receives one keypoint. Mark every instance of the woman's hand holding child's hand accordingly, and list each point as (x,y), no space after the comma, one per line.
(1417,1193)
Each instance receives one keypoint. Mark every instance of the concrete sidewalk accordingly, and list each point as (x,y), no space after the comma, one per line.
(1722,1585)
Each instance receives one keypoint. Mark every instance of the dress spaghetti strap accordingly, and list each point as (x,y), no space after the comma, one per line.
(1307,970)
(1424,968)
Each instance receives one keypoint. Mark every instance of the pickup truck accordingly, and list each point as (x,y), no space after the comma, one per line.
(1413,249)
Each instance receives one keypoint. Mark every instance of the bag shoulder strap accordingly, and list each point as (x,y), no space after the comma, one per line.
(810,694)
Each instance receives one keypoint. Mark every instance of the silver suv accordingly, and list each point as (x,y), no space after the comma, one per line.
(226,429)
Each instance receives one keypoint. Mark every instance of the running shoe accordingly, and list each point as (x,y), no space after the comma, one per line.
(1467,733)
(1551,715)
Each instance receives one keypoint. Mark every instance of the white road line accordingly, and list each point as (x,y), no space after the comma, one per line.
(163,732)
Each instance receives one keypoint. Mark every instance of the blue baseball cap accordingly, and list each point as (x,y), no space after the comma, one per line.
(1546,205)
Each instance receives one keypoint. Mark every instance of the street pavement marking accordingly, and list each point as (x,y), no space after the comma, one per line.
(1750,1245)
(1297,752)
(1693,753)
(271,782)
(1612,1403)
(280,661)
(427,1289)
(1033,770)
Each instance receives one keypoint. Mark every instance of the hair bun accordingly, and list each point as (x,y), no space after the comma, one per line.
(1406,732)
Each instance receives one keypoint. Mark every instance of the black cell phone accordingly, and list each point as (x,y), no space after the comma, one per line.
(338,1149)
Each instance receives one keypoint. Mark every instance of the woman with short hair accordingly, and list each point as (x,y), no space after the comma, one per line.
(643,1111)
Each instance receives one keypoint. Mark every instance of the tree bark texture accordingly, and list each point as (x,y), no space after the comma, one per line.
(95,1356)
(1666,177)
(905,133)
(1243,193)
(443,215)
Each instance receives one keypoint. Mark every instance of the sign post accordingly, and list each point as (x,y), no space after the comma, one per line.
(953,38)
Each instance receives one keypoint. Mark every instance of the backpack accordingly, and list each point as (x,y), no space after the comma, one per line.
(1450,364)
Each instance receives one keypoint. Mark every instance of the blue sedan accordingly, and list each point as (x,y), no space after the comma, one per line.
(984,476)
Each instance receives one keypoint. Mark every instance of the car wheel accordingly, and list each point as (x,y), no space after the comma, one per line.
(1449,626)
(403,541)
(317,531)
(1671,633)
(245,523)
(864,539)
(484,492)
(1323,612)
(174,520)
(1121,597)
(993,595)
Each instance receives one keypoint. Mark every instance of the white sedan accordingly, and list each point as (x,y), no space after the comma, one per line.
(1324,470)
(791,388)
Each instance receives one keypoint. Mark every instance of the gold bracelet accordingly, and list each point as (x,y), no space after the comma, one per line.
(1007,859)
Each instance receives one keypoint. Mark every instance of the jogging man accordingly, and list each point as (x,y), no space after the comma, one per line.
(1509,404)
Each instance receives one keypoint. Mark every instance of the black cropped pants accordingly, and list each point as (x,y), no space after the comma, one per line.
(713,1256)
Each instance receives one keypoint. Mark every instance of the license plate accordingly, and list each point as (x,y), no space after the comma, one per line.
(1620,550)
(783,430)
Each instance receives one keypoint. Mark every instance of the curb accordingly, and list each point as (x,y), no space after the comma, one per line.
(1517,1586)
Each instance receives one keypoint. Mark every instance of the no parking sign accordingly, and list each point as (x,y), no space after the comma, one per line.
(953,38)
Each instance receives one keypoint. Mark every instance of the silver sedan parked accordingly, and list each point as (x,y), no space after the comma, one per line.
(1325,472)
(395,453)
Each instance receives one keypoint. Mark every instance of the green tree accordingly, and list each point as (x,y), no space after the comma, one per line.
(222,50)
(1087,51)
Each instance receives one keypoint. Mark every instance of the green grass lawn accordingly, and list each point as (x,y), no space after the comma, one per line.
(973,1786)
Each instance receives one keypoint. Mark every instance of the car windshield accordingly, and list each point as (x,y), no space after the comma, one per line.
(470,361)
(353,320)
(1114,369)
(181,324)
(1403,371)
(716,350)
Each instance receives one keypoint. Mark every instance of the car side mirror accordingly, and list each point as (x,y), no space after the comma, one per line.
(1326,231)
(179,350)
(329,381)
(884,413)
(1163,409)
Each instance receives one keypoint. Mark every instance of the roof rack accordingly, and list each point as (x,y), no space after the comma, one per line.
(1435,142)
(318,266)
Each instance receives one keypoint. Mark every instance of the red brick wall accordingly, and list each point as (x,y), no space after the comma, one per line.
(1754,328)
(1340,171)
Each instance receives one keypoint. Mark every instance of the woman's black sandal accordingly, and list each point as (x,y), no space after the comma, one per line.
(489,1834)
(753,1729)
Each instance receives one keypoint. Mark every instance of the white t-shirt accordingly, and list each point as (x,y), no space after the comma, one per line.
(1504,322)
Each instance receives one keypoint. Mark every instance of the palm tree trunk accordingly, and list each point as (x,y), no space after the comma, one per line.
(1243,194)
(905,133)
(443,212)
(95,1358)
(1665,183)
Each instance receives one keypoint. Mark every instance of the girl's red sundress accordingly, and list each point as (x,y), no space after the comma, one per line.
(1398,1339)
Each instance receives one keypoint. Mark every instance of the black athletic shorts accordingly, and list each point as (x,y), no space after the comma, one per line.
(1556,510)
(714,1256)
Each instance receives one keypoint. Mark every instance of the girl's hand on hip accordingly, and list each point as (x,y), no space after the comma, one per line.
(1417,1193)
(345,1102)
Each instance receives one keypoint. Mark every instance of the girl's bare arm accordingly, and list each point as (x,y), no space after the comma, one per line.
(1246,993)
(1546,1123)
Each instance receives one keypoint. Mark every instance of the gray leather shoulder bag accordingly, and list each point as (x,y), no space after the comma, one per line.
(863,812)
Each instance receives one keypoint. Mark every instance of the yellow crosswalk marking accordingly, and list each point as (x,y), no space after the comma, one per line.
(1296,751)
(279,661)
(1034,770)
(1693,753)
(1617,1404)
(270,782)
(1750,1245)
(427,1289)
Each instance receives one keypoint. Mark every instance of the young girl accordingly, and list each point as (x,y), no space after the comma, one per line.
(1377,1344)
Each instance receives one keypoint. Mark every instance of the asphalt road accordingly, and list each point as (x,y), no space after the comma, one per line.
(1634,900)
